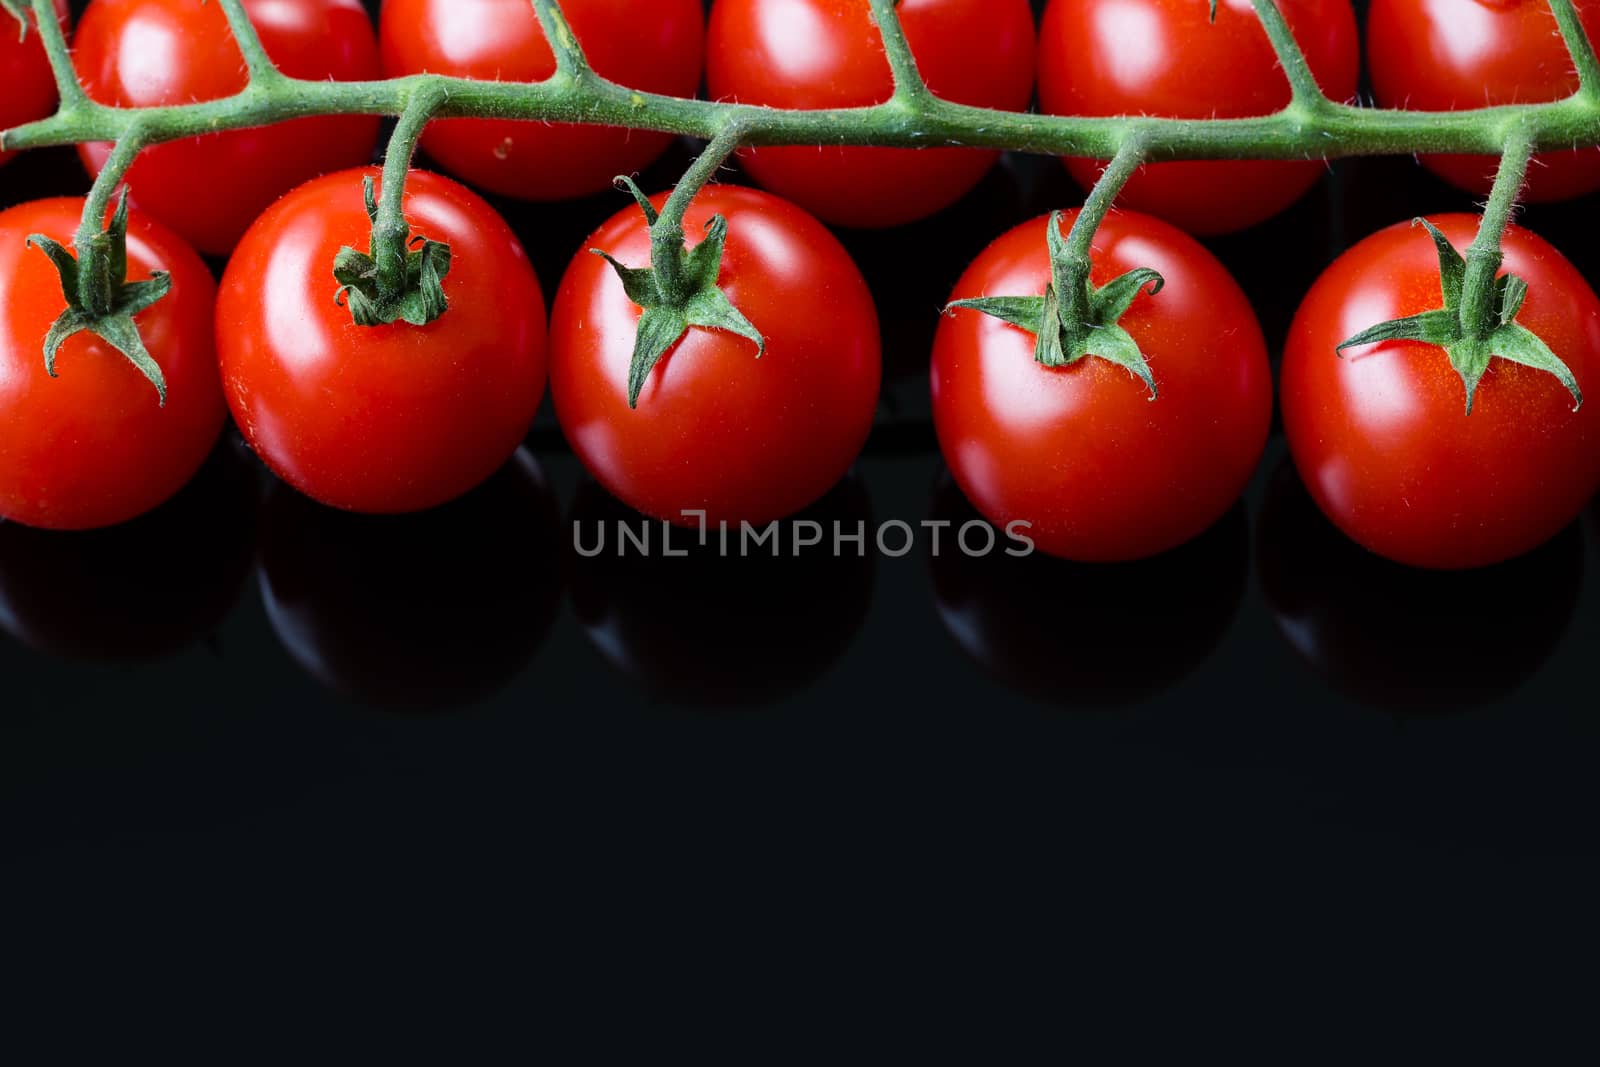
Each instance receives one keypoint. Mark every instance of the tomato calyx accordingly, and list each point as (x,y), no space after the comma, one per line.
(678,290)
(1075,318)
(1472,345)
(412,289)
(99,297)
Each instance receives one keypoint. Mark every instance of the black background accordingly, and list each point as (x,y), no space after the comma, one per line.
(800,747)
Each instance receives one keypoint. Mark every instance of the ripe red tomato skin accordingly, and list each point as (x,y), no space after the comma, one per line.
(93,447)
(502,40)
(1381,437)
(1162,57)
(716,428)
(211,188)
(978,52)
(381,419)
(1440,55)
(30,88)
(1101,471)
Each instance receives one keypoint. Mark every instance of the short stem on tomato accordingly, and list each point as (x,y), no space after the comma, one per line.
(908,83)
(666,234)
(55,47)
(390,232)
(1579,45)
(256,60)
(570,58)
(1478,296)
(96,281)
(1074,272)
(1302,82)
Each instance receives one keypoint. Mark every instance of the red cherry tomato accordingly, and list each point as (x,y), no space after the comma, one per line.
(828,53)
(148,53)
(1440,55)
(717,428)
(30,88)
(386,418)
(1381,436)
(94,447)
(654,47)
(1162,57)
(1100,470)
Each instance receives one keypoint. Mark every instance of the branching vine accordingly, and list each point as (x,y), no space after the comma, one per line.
(1311,126)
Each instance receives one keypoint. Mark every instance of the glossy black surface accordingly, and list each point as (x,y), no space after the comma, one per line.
(431,705)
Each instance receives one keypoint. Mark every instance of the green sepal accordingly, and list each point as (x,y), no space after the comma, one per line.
(99,298)
(1510,291)
(1059,342)
(659,329)
(1113,299)
(666,320)
(1452,265)
(1049,342)
(622,181)
(1518,344)
(1024,311)
(1471,355)
(638,282)
(421,298)
(1213,15)
(1440,328)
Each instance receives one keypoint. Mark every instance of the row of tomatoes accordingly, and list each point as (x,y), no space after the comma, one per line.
(400,418)
(1091,57)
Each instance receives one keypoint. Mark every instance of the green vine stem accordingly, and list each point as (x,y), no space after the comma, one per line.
(1580,47)
(666,232)
(910,119)
(1076,319)
(1478,321)
(1311,126)
(73,97)
(679,288)
(1076,288)
(392,280)
(1307,94)
(1484,256)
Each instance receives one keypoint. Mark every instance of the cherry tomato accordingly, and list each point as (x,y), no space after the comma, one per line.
(423,612)
(147,53)
(1162,57)
(30,88)
(1440,55)
(655,47)
(1100,470)
(386,418)
(745,438)
(828,53)
(94,446)
(1381,436)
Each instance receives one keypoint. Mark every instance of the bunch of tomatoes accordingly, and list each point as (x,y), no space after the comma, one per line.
(399,417)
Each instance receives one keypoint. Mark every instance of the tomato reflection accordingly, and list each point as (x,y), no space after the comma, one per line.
(1402,638)
(718,631)
(429,610)
(143,590)
(1088,635)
